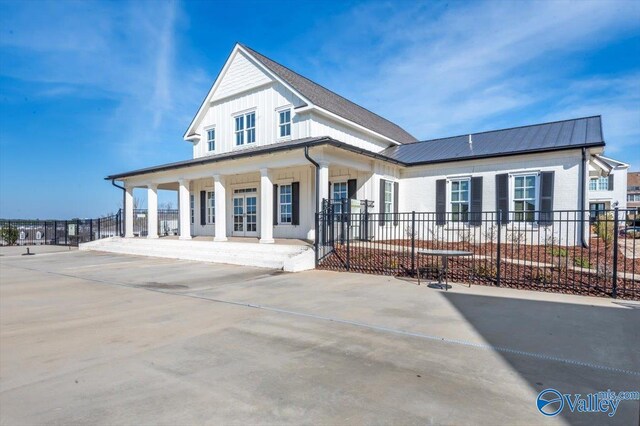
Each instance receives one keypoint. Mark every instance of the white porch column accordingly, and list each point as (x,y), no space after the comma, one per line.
(128,211)
(152,210)
(266,207)
(220,190)
(323,181)
(183,201)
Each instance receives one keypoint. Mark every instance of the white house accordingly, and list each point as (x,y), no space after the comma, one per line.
(607,184)
(270,144)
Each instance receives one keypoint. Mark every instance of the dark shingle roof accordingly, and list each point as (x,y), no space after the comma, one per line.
(326,99)
(573,133)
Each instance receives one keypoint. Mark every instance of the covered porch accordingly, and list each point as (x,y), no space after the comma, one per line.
(257,194)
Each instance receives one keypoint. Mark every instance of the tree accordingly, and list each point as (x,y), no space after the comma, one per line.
(9,234)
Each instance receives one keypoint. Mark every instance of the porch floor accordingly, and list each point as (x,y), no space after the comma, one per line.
(252,240)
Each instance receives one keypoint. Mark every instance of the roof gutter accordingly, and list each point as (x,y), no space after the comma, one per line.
(249,154)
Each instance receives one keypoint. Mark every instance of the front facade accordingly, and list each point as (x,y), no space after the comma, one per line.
(269,145)
(607,185)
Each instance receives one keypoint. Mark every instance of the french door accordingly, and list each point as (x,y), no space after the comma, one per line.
(245,212)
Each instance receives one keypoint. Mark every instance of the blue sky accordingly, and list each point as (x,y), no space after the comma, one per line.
(93,88)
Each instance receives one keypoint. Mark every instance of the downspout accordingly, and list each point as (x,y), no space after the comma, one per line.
(317,214)
(312,161)
(124,191)
(583,196)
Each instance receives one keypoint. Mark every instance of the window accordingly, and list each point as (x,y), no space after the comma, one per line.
(240,130)
(595,210)
(340,192)
(524,198)
(599,184)
(211,139)
(633,197)
(192,205)
(460,200)
(245,128)
(284,120)
(285,204)
(388,199)
(211,207)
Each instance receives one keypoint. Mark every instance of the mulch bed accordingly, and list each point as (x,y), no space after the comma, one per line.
(375,259)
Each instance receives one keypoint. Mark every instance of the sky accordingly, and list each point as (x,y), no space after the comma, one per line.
(89,89)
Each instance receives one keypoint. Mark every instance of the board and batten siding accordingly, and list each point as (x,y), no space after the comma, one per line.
(242,75)
(325,126)
(419,183)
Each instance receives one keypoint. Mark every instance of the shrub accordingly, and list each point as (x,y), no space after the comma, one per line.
(557,251)
(486,270)
(9,235)
(604,228)
(542,275)
(581,262)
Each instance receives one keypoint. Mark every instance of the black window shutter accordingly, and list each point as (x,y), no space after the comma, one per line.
(502,196)
(610,182)
(546,198)
(396,185)
(441,201)
(275,204)
(295,203)
(475,216)
(352,188)
(203,207)
(381,207)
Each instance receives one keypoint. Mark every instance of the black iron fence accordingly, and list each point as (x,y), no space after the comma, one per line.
(168,222)
(59,232)
(561,251)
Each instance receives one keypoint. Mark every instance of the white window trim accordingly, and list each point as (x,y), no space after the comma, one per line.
(450,201)
(388,216)
(512,187)
(278,111)
(333,185)
(280,205)
(192,208)
(210,218)
(215,138)
(244,114)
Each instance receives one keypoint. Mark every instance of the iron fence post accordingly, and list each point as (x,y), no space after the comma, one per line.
(45,232)
(90,229)
(614,284)
(413,241)
(78,232)
(99,220)
(499,243)
(66,232)
(317,235)
(55,232)
(347,209)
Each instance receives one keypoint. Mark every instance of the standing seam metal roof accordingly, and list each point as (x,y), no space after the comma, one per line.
(538,137)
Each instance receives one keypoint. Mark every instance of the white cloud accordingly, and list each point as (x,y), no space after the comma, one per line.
(463,67)
(124,53)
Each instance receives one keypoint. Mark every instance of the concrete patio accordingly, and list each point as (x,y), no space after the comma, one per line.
(102,338)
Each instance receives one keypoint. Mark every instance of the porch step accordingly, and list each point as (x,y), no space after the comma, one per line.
(286,257)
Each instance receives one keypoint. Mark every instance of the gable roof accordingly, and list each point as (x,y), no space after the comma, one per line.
(332,102)
(574,133)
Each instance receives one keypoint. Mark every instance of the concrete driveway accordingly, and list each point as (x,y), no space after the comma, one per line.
(98,338)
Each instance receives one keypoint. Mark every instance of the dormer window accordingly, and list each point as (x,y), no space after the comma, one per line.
(245,128)
(211,139)
(284,123)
